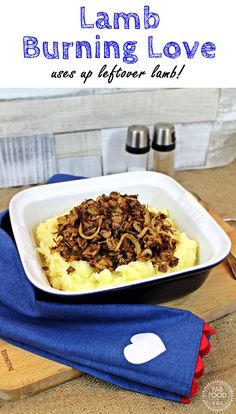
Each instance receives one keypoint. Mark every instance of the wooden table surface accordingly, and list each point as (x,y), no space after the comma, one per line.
(88,395)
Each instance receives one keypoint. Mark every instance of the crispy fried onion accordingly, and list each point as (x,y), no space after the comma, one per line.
(115,230)
(132,239)
(92,236)
(142,233)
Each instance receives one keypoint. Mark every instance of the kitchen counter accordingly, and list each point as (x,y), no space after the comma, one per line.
(88,395)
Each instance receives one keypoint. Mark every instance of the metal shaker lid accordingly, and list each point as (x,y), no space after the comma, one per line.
(138,141)
(163,137)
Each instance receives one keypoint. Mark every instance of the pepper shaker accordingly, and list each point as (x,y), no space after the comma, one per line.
(137,147)
(163,144)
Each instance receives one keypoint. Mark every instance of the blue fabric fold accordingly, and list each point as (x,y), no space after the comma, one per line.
(94,338)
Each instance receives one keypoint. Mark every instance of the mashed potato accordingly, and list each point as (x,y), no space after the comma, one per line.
(83,278)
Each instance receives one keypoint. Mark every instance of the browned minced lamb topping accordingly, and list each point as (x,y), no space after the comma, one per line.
(115,230)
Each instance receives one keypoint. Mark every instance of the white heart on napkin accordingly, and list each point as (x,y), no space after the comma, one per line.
(144,348)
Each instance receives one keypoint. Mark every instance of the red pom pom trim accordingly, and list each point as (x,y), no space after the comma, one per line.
(204,349)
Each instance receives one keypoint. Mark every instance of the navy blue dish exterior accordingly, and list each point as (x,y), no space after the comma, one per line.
(154,291)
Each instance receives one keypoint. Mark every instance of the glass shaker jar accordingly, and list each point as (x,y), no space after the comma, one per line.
(137,147)
(163,145)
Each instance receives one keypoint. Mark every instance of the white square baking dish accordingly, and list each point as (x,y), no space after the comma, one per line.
(29,207)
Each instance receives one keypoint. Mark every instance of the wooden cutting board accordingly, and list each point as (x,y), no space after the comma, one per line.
(23,373)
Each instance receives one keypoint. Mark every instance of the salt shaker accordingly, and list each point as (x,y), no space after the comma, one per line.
(137,147)
(163,144)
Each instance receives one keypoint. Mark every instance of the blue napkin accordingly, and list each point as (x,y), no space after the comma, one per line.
(144,348)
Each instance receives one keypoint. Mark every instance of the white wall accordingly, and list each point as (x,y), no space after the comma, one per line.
(30,93)
(85,130)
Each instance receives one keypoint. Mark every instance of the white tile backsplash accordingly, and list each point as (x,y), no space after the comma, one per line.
(113,150)
(26,160)
(227,105)
(192,141)
(222,149)
(85,141)
(87,166)
(78,144)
